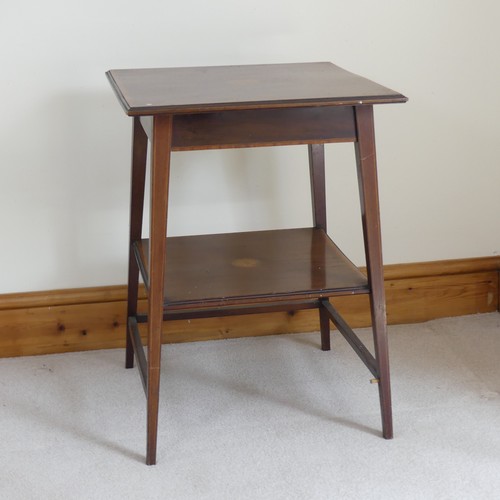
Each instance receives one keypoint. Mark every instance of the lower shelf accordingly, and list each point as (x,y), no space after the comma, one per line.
(252,268)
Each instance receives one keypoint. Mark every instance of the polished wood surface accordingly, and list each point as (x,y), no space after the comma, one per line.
(316,154)
(263,127)
(138,182)
(191,90)
(259,127)
(242,106)
(261,266)
(368,193)
(318,189)
(161,145)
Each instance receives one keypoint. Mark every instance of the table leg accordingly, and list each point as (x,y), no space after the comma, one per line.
(367,177)
(139,154)
(324,323)
(318,199)
(317,175)
(160,173)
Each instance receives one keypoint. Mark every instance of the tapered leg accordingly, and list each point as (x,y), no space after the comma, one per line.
(324,322)
(160,173)
(368,187)
(317,175)
(139,154)
(318,199)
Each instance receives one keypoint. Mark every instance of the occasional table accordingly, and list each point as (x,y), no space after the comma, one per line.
(182,109)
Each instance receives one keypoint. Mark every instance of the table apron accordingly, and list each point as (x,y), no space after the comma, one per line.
(260,127)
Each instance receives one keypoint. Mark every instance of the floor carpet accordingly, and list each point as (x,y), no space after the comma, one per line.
(261,418)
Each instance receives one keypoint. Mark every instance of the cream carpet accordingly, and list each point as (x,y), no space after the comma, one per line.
(260,418)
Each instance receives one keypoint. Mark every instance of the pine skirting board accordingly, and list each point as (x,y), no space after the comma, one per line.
(94,318)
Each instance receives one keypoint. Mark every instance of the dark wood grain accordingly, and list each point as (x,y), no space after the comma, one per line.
(138,178)
(359,348)
(260,127)
(135,338)
(242,106)
(192,90)
(160,176)
(318,190)
(370,212)
(253,267)
(263,127)
(318,200)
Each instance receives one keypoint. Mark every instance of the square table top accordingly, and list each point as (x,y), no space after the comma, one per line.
(223,88)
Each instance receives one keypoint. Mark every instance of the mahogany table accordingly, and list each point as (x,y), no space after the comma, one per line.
(180,109)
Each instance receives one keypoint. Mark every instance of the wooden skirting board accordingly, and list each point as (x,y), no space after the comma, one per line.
(94,318)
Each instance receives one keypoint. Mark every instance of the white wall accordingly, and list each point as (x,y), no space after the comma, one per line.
(65,142)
